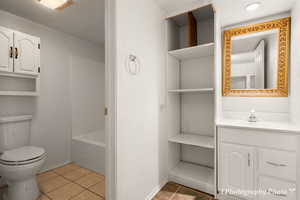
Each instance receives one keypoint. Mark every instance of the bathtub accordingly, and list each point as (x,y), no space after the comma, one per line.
(88,151)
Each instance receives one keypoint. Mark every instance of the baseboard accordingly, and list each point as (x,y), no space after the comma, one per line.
(227,197)
(156,190)
(56,166)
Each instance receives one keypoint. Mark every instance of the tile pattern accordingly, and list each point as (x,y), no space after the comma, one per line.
(173,191)
(71,182)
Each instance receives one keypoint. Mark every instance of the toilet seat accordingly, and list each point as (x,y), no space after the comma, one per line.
(22,156)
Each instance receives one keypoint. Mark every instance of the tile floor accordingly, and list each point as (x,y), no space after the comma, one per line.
(71,182)
(173,191)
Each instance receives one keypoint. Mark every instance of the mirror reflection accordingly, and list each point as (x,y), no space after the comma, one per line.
(254,60)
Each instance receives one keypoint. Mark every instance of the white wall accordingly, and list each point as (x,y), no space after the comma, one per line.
(140,31)
(295,65)
(51,126)
(295,78)
(197,73)
(173,7)
(87,95)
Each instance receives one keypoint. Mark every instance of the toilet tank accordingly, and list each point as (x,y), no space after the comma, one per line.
(14,132)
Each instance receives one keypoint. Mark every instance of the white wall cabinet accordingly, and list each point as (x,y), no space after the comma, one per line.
(27,53)
(19,63)
(6,49)
(262,162)
(19,52)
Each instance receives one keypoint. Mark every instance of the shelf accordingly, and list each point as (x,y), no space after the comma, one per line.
(195,140)
(202,90)
(194,52)
(194,176)
(19,75)
(18,93)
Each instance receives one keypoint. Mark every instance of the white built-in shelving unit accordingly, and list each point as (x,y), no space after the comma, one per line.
(194,139)
(18,84)
(202,50)
(195,176)
(190,98)
(18,93)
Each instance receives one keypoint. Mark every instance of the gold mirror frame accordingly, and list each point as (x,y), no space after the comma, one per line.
(283,26)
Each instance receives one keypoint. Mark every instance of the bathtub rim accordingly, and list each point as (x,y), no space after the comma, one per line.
(81,138)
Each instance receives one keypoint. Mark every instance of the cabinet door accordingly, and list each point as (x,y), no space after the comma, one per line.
(27,53)
(236,169)
(6,45)
(276,189)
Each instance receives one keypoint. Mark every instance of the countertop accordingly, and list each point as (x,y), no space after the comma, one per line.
(260,125)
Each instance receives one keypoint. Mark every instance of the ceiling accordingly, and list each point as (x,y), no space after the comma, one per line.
(172,5)
(233,11)
(85,19)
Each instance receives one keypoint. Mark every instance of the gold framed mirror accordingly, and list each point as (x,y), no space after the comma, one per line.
(256,59)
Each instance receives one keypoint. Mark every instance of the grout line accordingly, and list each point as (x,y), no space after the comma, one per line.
(64,173)
(47,196)
(57,188)
(76,195)
(95,193)
(92,185)
(73,181)
(175,192)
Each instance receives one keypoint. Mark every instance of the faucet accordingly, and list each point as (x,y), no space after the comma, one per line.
(252,116)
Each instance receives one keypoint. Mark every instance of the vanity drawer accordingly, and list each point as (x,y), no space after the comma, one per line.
(263,139)
(276,189)
(279,164)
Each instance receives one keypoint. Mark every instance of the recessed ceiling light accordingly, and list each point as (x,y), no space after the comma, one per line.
(56,4)
(252,6)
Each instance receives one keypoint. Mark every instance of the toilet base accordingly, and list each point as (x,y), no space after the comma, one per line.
(25,190)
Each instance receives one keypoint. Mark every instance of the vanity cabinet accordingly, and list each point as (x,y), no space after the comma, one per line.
(237,167)
(19,52)
(259,161)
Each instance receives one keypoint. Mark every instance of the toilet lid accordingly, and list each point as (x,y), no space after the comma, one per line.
(22,154)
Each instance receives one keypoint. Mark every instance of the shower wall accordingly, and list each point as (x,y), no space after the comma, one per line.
(87,94)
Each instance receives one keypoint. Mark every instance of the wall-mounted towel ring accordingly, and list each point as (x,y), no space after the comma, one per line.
(133,64)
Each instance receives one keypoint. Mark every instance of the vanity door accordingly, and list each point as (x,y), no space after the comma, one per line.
(236,173)
(6,50)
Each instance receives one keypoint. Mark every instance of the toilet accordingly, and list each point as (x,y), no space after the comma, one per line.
(19,162)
